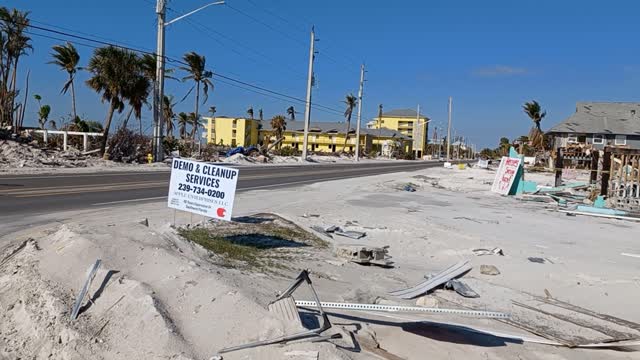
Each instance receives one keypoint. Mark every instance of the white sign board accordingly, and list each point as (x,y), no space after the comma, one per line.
(483,164)
(202,188)
(506,175)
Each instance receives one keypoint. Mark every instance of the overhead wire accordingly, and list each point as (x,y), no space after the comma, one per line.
(265,91)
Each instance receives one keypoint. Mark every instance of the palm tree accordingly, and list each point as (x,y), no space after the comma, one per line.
(212,111)
(168,115)
(250,112)
(351,102)
(535,113)
(183,121)
(198,73)
(260,114)
(291,112)
(13,44)
(116,74)
(137,95)
(43,115)
(504,146)
(279,125)
(67,58)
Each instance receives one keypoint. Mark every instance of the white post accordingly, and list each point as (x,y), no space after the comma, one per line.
(359,112)
(449,132)
(46,137)
(307,109)
(64,141)
(85,142)
(158,89)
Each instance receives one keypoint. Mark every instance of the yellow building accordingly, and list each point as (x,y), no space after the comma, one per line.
(233,131)
(408,123)
(323,136)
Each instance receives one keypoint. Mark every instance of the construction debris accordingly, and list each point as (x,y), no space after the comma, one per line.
(433,281)
(333,229)
(91,273)
(325,324)
(537,260)
(428,301)
(399,308)
(494,251)
(489,270)
(365,255)
(409,188)
(461,288)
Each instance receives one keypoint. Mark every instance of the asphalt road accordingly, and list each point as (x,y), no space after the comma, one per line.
(24,195)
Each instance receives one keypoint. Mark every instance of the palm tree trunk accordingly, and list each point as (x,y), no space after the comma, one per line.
(107,125)
(126,120)
(13,93)
(73,98)
(346,135)
(195,124)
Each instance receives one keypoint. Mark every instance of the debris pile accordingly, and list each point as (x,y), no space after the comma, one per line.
(18,155)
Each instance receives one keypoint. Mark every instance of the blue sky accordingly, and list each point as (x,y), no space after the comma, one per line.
(490,56)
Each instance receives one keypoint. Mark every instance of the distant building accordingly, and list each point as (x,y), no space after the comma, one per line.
(600,124)
(408,123)
(323,136)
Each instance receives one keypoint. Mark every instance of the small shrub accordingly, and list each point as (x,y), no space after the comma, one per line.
(286,151)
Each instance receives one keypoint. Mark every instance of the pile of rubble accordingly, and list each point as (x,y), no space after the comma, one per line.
(15,155)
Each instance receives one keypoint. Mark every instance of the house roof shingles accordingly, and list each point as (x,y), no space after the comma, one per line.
(621,118)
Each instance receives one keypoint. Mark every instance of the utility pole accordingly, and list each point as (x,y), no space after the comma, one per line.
(418,135)
(449,132)
(359,112)
(158,88)
(307,109)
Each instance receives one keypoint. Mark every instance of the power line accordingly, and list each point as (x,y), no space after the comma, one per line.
(173,60)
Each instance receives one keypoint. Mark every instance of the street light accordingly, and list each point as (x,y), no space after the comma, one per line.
(158,88)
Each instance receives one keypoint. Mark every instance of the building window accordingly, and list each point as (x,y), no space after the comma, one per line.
(598,139)
(233,133)
(234,124)
(233,143)
(572,139)
(621,140)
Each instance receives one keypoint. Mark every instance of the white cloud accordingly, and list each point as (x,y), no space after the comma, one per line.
(499,70)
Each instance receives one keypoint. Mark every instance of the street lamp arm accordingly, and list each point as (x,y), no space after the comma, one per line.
(193,12)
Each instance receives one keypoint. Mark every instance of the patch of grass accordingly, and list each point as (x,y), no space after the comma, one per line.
(228,250)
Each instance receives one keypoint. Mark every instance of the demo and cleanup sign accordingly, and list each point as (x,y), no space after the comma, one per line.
(506,175)
(202,188)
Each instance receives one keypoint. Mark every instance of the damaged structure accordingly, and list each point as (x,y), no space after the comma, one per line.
(603,137)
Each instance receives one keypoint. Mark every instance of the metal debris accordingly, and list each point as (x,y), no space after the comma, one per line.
(91,273)
(494,251)
(399,308)
(333,229)
(434,281)
(461,288)
(312,334)
(365,255)
(537,260)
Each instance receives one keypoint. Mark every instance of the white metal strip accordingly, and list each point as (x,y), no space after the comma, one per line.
(397,308)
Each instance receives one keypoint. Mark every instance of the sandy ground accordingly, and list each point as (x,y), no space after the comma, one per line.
(158,297)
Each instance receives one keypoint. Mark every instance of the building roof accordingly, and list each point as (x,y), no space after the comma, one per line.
(602,118)
(403,113)
(327,127)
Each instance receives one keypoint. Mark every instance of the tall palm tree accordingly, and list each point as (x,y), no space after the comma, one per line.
(351,102)
(279,125)
(168,115)
(535,113)
(198,73)
(291,112)
(116,74)
(67,58)
(183,121)
(250,112)
(14,43)
(260,115)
